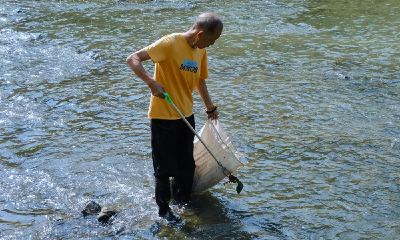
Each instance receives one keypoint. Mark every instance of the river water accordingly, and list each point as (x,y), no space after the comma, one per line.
(308,90)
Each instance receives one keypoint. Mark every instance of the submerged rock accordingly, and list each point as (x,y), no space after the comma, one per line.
(91,208)
(105,215)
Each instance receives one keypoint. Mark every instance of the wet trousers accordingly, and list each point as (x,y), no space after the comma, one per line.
(172,153)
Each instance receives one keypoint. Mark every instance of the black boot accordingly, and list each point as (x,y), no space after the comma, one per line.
(171,218)
(182,189)
(163,194)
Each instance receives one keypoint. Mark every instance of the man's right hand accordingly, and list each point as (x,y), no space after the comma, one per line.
(157,89)
(135,62)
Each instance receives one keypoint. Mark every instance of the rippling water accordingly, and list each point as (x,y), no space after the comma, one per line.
(308,91)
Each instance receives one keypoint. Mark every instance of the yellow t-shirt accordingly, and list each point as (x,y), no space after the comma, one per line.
(178,67)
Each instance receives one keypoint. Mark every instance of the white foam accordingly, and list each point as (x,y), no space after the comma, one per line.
(39,62)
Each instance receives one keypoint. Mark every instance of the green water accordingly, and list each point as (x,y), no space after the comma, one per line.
(307,90)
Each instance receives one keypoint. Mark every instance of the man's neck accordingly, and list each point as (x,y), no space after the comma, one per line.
(191,38)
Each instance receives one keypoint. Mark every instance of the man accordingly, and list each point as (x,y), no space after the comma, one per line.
(180,67)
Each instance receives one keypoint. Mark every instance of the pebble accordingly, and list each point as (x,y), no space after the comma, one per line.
(91,208)
(105,215)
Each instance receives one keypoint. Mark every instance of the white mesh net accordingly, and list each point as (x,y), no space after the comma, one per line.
(208,173)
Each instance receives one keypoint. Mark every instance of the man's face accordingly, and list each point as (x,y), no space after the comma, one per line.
(208,40)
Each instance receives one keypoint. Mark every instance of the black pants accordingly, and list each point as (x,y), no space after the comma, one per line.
(172,152)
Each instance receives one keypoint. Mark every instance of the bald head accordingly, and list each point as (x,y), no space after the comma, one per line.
(209,22)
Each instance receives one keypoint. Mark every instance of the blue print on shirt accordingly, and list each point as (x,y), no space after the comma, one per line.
(188,65)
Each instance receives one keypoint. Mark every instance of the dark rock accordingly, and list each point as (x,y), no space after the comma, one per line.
(105,215)
(91,208)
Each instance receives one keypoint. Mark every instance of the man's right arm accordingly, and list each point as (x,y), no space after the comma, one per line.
(135,62)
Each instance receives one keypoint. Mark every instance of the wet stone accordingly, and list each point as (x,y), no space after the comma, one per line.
(91,208)
(105,215)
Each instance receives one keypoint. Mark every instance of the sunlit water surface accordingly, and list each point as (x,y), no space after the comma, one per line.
(307,90)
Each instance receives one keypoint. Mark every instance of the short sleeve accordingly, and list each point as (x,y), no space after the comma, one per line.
(159,50)
(204,68)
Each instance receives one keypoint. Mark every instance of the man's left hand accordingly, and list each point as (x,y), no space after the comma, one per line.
(213,116)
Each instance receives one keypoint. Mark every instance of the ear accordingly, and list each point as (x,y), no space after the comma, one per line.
(199,33)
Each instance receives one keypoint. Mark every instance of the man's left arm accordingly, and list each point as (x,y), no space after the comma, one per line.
(210,107)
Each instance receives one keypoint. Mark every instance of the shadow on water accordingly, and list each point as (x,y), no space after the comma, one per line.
(209,219)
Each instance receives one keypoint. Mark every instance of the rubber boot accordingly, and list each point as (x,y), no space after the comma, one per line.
(163,194)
